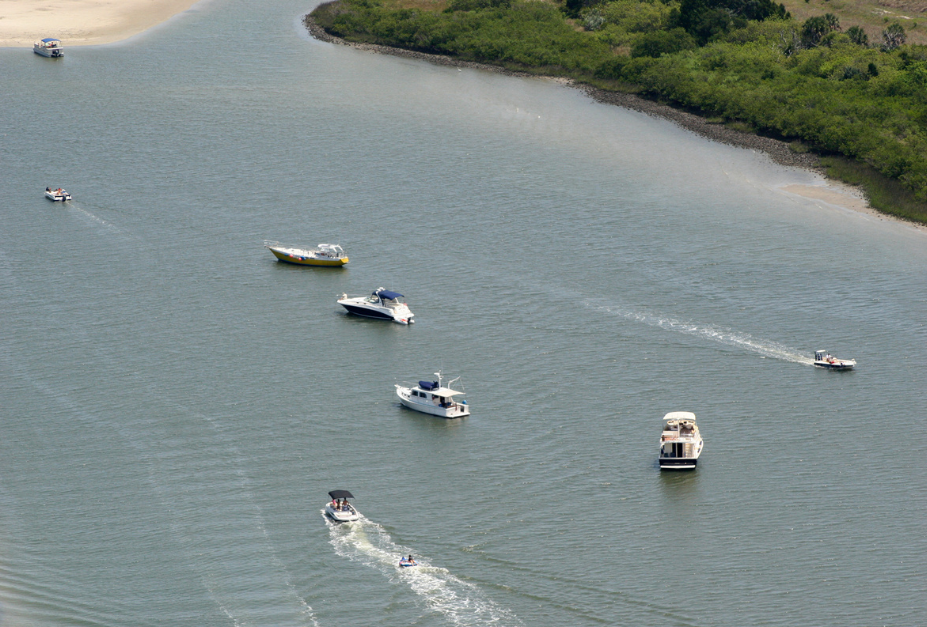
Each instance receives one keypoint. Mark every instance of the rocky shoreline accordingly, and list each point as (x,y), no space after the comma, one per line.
(779,151)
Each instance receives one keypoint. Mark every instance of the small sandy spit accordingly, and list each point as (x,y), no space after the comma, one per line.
(82,22)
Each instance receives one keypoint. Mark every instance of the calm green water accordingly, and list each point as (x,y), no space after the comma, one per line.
(174,404)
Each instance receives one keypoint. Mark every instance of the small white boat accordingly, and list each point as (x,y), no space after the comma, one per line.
(681,443)
(382,305)
(325,255)
(48,47)
(57,195)
(431,397)
(823,359)
(339,509)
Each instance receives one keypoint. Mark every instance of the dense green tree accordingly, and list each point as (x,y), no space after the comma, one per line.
(707,19)
(663,42)
(893,36)
(858,36)
(816,28)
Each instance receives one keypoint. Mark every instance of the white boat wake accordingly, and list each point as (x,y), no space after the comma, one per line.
(729,337)
(459,602)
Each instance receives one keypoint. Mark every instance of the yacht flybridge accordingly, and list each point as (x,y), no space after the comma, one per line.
(339,509)
(431,397)
(823,359)
(681,443)
(382,304)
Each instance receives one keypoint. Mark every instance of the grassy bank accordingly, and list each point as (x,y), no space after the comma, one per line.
(804,82)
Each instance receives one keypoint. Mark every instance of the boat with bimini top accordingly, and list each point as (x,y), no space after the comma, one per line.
(57,195)
(382,305)
(823,359)
(681,443)
(324,255)
(48,47)
(339,509)
(431,397)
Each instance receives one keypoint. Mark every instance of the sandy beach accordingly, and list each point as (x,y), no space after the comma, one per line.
(82,22)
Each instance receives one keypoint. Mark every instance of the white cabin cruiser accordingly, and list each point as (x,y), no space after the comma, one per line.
(430,397)
(48,47)
(681,443)
(823,359)
(339,509)
(57,195)
(382,304)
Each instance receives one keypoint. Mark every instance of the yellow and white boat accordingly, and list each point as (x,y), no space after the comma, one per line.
(326,255)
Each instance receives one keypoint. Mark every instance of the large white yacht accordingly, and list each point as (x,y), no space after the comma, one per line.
(339,509)
(382,304)
(431,397)
(823,359)
(681,443)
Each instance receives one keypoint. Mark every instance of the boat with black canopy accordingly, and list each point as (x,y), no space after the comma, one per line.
(432,397)
(382,305)
(339,509)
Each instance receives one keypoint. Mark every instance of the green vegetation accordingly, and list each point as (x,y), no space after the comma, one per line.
(744,62)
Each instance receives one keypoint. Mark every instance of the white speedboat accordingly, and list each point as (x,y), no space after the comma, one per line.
(338,509)
(431,397)
(57,195)
(48,47)
(382,304)
(325,255)
(681,443)
(823,359)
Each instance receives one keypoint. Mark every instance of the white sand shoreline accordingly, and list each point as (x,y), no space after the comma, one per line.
(82,22)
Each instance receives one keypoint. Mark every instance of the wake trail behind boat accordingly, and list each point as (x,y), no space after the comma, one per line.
(729,337)
(460,602)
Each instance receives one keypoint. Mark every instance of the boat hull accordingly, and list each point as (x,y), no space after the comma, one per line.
(678,464)
(837,365)
(341,516)
(52,54)
(309,261)
(369,313)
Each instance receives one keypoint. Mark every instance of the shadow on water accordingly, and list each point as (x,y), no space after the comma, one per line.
(427,421)
(678,484)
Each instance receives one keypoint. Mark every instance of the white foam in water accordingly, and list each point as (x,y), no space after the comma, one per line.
(460,602)
(729,337)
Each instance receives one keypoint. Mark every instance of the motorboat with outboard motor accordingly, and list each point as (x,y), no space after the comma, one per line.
(382,305)
(324,255)
(407,562)
(823,359)
(339,509)
(431,397)
(681,442)
(48,47)
(57,195)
